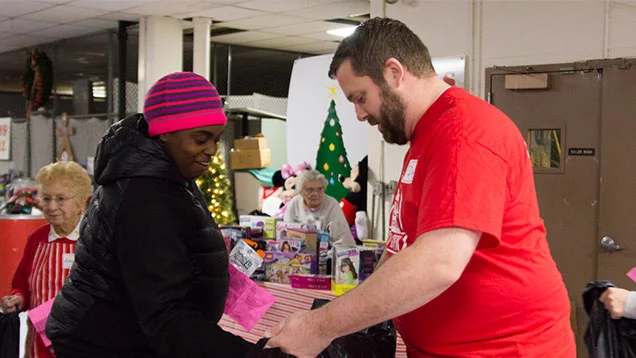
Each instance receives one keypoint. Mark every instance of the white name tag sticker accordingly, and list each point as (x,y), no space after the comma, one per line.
(67,260)
(409,173)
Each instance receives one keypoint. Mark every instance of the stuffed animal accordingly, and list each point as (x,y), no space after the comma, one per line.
(356,200)
(286,179)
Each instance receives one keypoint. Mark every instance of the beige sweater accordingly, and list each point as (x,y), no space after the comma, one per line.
(329,216)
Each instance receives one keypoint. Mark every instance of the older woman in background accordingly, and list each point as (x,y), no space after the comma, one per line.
(313,206)
(63,192)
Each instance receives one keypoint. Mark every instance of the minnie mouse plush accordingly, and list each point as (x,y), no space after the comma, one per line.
(286,179)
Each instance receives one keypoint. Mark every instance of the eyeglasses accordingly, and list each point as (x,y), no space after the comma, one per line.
(313,190)
(59,200)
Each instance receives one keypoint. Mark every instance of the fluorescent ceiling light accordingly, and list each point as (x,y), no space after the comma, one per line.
(342,32)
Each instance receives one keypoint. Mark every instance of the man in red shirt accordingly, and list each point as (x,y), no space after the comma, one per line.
(467,272)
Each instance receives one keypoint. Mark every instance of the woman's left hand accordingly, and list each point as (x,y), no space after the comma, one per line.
(614,300)
(12,303)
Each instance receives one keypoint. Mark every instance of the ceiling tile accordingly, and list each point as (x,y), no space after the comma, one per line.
(242,37)
(333,11)
(20,26)
(316,48)
(57,1)
(18,8)
(229,2)
(97,23)
(173,8)
(282,42)
(229,13)
(117,5)
(322,35)
(120,16)
(265,21)
(65,31)
(305,28)
(282,5)
(64,13)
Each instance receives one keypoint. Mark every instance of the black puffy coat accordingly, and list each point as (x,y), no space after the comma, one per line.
(150,276)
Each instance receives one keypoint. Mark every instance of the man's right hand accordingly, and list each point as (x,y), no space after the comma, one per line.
(12,303)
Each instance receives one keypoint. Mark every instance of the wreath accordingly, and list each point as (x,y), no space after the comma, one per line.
(37,82)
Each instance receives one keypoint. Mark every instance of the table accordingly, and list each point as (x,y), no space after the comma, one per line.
(14,231)
(288,300)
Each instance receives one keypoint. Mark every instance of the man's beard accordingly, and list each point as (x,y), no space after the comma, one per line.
(392,117)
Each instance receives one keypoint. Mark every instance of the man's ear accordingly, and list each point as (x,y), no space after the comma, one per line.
(163,137)
(394,72)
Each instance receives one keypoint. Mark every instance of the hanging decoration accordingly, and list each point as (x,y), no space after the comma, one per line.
(37,82)
(331,159)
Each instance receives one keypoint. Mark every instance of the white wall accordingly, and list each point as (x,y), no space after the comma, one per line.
(507,33)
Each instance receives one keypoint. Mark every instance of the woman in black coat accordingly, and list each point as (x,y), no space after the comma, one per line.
(150,276)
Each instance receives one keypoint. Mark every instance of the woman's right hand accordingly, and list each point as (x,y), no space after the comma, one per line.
(12,303)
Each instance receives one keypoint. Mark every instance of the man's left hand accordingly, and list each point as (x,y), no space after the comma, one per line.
(300,335)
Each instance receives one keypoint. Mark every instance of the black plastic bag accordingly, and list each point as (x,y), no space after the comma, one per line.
(606,337)
(378,341)
(9,335)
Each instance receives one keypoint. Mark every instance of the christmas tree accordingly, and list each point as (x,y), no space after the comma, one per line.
(332,158)
(217,190)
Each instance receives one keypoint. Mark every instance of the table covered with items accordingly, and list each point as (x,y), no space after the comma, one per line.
(294,264)
(288,300)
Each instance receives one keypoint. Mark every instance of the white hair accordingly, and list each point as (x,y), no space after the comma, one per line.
(309,175)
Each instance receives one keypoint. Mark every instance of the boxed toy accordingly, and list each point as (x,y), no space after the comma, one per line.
(310,237)
(316,282)
(265,223)
(323,252)
(287,245)
(346,266)
(369,258)
(279,266)
(283,226)
(380,244)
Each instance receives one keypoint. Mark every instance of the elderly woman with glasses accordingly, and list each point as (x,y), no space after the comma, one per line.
(63,192)
(313,206)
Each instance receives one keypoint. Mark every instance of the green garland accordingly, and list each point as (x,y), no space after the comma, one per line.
(37,82)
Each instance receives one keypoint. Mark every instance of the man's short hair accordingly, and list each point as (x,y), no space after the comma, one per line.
(377,40)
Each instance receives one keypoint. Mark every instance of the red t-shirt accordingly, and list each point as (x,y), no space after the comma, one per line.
(468,166)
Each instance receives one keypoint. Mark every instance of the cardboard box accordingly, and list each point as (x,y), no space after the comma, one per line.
(310,237)
(250,143)
(283,226)
(250,159)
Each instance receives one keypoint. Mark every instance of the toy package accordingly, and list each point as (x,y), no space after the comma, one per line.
(235,233)
(345,271)
(244,258)
(380,244)
(316,282)
(369,258)
(260,224)
(279,266)
(309,236)
(323,252)
(286,245)
(283,226)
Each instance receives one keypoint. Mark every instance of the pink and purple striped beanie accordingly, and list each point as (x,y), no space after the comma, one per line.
(182,100)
